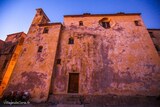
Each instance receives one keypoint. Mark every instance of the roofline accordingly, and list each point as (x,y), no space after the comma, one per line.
(89,15)
(15,33)
(1,40)
(153,28)
(43,13)
(50,24)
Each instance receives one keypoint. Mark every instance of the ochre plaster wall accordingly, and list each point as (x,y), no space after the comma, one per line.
(120,60)
(11,57)
(33,70)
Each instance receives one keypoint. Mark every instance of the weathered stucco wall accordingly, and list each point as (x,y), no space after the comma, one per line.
(120,60)
(33,70)
(15,37)
(7,50)
(8,58)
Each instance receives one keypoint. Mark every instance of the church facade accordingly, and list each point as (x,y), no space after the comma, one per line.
(89,54)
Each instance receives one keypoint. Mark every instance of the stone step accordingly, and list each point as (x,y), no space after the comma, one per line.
(66,99)
(104,100)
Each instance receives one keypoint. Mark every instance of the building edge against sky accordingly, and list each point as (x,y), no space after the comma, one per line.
(103,54)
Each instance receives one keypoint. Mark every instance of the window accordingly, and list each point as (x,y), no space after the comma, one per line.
(40,48)
(58,61)
(137,23)
(80,23)
(71,41)
(106,24)
(151,34)
(45,30)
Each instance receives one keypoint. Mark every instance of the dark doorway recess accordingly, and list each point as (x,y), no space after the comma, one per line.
(73,83)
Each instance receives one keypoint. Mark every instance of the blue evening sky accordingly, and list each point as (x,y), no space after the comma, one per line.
(17,15)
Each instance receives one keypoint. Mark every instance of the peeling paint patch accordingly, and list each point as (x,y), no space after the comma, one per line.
(118,28)
(39,57)
(42,95)
(60,83)
(30,80)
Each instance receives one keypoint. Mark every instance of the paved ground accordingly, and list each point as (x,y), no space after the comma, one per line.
(93,101)
(76,105)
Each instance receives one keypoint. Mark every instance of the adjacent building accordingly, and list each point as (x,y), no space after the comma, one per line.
(9,53)
(155,35)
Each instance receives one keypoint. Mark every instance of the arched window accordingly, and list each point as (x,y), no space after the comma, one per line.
(71,40)
(80,23)
(40,48)
(105,23)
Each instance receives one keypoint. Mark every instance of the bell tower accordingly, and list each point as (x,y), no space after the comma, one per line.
(39,18)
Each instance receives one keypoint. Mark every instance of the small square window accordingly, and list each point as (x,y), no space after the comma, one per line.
(40,48)
(58,61)
(71,41)
(137,23)
(45,30)
(80,23)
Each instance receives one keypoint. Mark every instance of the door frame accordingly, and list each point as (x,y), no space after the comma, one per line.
(69,82)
